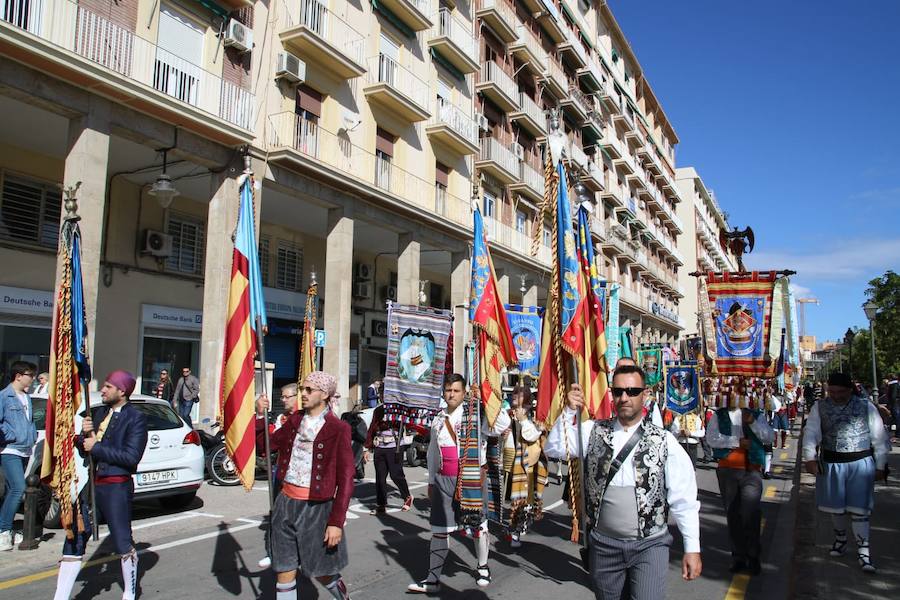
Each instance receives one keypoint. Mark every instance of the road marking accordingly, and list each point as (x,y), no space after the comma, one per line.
(554,505)
(778,469)
(188,515)
(771,491)
(11,583)
(738,587)
(784,456)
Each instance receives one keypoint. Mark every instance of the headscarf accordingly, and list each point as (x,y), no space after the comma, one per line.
(325,382)
(123,380)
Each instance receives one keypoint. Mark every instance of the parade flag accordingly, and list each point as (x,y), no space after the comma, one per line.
(612,325)
(650,359)
(70,373)
(308,343)
(525,327)
(741,311)
(682,382)
(496,350)
(245,304)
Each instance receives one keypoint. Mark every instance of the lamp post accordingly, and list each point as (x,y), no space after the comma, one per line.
(871,310)
(848,339)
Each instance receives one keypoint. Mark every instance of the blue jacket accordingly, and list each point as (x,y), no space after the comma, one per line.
(16,427)
(123,444)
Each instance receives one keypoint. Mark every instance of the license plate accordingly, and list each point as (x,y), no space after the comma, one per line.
(156,477)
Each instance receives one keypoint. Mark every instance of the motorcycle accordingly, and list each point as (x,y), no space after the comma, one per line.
(417,449)
(219,466)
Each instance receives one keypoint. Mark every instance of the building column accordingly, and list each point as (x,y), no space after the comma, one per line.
(221,219)
(338,299)
(503,286)
(460,275)
(530,297)
(87,161)
(408,260)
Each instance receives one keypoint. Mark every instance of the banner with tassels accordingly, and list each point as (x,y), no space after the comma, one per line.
(650,359)
(682,382)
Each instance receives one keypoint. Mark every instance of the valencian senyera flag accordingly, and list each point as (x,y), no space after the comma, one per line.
(682,387)
(70,373)
(308,342)
(496,350)
(245,304)
(740,312)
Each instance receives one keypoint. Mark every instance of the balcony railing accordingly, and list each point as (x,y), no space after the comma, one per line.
(493,150)
(457,32)
(577,154)
(493,74)
(533,111)
(532,46)
(517,241)
(91,36)
(384,69)
(555,72)
(503,19)
(459,121)
(532,178)
(349,161)
(315,16)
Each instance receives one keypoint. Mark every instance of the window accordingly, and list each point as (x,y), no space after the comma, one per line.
(187,245)
(30,211)
(289,274)
(441,180)
(177,71)
(548,236)
(264,259)
(308,109)
(490,204)
(384,151)
(521,221)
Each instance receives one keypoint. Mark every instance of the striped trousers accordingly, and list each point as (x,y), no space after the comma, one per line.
(642,563)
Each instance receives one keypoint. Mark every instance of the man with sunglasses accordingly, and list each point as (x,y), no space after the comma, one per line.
(636,473)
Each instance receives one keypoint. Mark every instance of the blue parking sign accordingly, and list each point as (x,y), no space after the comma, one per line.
(320,338)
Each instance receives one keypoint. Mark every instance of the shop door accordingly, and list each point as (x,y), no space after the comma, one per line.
(170,354)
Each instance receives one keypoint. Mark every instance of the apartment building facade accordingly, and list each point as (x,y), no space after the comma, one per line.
(372,127)
(704,221)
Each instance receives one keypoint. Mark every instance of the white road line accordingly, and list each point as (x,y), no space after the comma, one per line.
(181,517)
(197,538)
(251,521)
(554,505)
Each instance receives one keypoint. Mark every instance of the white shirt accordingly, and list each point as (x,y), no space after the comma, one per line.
(692,437)
(529,432)
(881,444)
(717,439)
(681,482)
(441,438)
(299,470)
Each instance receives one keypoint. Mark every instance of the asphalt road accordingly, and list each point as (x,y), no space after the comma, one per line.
(211,549)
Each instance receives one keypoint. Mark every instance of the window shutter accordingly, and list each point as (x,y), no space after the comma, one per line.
(309,100)
(384,142)
(442,174)
(264,260)
(289,274)
(187,245)
(30,211)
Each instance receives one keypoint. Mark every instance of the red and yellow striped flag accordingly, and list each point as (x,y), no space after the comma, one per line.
(308,343)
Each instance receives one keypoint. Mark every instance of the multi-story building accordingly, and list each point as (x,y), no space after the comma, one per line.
(367,124)
(700,245)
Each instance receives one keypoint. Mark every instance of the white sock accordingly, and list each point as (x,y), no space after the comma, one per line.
(286,591)
(68,573)
(481,546)
(129,575)
(840,527)
(768,462)
(338,588)
(860,526)
(440,547)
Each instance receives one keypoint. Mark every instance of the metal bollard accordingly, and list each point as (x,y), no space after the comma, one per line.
(31,530)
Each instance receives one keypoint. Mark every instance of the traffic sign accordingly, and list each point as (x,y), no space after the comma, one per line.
(320,338)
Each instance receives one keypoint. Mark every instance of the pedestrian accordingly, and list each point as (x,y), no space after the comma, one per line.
(688,429)
(316,460)
(383,445)
(43,385)
(187,393)
(164,389)
(651,408)
(524,466)
(444,453)
(116,445)
(358,435)
(852,454)
(780,422)
(373,393)
(17,438)
(738,437)
(635,474)
(707,451)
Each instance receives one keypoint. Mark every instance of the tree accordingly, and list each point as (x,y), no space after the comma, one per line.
(885,292)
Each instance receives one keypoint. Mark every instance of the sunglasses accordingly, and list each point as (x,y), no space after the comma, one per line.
(630,391)
(310,390)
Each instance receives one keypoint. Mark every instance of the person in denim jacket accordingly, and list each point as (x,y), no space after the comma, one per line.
(17,437)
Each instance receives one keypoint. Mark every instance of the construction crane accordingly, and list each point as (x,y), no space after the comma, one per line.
(801,308)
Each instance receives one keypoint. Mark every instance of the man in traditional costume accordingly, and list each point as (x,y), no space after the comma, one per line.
(635,474)
(524,468)
(852,453)
(738,438)
(454,487)
(688,430)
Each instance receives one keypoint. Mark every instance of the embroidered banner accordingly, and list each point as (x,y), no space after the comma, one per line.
(741,311)
(525,325)
(612,324)
(682,387)
(416,353)
(650,359)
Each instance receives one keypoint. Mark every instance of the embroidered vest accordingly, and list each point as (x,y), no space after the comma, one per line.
(845,428)
(649,459)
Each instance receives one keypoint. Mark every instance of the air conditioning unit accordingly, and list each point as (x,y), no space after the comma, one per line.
(290,67)
(483,123)
(362,290)
(157,243)
(389,292)
(239,36)
(519,151)
(363,271)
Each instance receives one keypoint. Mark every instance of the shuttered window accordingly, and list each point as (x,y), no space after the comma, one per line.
(289,267)
(187,244)
(30,211)
(264,259)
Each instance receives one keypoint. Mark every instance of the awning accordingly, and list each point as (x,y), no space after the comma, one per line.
(214,8)
(393,19)
(447,65)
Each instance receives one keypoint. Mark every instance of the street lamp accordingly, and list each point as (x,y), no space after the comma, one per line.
(848,339)
(871,310)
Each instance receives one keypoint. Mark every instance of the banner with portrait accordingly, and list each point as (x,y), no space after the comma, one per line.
(650,359)
(525,326)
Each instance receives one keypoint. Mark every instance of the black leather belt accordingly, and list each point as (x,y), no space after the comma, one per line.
(844,457)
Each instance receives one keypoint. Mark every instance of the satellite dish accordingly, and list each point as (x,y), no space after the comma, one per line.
(350,120)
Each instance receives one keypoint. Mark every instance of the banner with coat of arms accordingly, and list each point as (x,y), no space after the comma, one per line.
(682,387)
(650,359)
(525,325)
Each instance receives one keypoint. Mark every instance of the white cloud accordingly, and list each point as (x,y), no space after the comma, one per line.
(878,195)
(800,291)
(844,260)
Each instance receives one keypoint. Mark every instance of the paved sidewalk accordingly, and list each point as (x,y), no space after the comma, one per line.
(815,574)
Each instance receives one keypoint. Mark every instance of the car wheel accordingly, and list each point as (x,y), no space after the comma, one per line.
(178,500)
(221,468)
(48,509)
(412,455)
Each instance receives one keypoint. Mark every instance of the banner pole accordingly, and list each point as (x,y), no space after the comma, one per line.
(261,351)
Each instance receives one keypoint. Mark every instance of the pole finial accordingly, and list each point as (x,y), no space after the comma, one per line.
(71,202)
(245,151)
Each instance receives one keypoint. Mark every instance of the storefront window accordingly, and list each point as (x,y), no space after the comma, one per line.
(31,344)
(169,354)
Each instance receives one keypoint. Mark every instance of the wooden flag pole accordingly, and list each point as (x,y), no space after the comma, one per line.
(261,351)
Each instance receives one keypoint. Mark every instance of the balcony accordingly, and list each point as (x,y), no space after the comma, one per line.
(634,138)
(591,76)
(497,160)
(514,240)
(633,298)
(528,49)
(636,179)
(554,78)
(576,105)
(452,38)
(500,17)
(576,157)
(593,176)
(80,46)
(572,51)
(413,13)
(302,145)
(323,40)
(614,244)
(592,128)
(611,145)
(396,89)
(624,119)
(624,163)
(530,116)
(498,86)
(598,230)
(552,22)
(454,129)
(530,183)
(607,95)
(611,192)
(642,261)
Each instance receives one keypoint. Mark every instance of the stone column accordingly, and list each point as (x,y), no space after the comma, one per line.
(337,297)
(503,286)
(460,275)
(87,161)
(221,219)
(408,260)
(530,298)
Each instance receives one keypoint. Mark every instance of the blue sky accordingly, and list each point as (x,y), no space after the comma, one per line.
(790,112)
